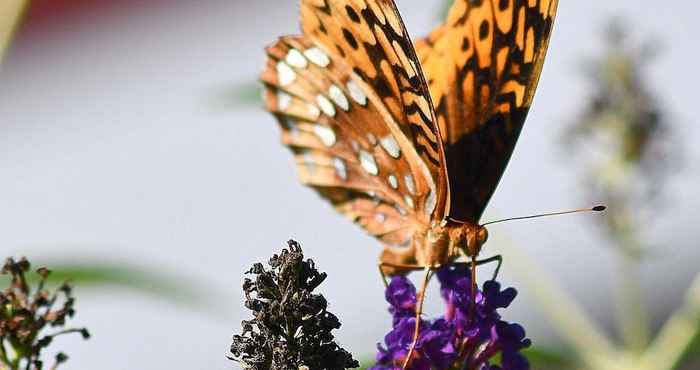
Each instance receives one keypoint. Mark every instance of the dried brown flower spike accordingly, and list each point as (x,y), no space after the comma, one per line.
(26,313)
(291,326)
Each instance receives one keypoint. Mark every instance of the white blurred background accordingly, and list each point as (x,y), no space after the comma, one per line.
(123,139)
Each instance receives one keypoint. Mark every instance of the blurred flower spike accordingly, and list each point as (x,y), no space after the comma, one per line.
(26,313)
(470,335)
(291,326)
(624,136)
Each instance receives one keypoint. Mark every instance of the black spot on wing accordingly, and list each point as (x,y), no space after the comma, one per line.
(484,29)
(350,39)
(352,14)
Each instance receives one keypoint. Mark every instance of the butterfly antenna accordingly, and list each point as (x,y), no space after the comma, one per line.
(583,210)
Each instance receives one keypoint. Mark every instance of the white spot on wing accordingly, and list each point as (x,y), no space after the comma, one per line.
(380,217)
(393,182)
(326,134)
(401,211)
(368,163)
(318,57)
(430,203)
(409,201)
(284,100)
(410,185)
(285,74)
(405,244)
(372,139)
(391,146)
(309,163)
(355,146)
(340,168)
(356,93)
(338,97)
(325,105)
(296,59)
(314,111)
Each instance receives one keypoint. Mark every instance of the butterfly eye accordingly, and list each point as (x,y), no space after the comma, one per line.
(482,235)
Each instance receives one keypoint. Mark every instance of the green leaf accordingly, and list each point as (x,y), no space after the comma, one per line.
(541,359)
(366,362)
(241,94)
(692,352)
(99,275)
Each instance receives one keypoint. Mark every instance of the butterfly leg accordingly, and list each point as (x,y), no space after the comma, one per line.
(474,286)
(419,312)
(395,267)
(381,272)
(498,259)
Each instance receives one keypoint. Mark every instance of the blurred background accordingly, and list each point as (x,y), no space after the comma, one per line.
(132,135)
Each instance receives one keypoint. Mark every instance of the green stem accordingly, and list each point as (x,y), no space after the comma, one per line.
(632,317)
(667,349)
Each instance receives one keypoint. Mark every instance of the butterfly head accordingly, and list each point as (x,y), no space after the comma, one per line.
(477,236)
(467,239)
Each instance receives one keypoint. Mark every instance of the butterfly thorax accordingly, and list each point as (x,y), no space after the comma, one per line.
(445,242)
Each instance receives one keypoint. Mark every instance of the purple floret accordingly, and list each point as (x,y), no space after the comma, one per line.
(469,334)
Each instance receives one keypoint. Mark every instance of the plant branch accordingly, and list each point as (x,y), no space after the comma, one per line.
(667,349)
(632,317)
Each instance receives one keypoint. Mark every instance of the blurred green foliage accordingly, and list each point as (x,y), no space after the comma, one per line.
(544,359)
(693,351)
(240,94)
(627,151)
(148,281)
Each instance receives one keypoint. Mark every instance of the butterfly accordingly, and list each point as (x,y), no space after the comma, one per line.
(408,139)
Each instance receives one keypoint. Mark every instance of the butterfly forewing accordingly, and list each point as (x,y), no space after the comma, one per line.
(483,65)
(371,37)
(345,142)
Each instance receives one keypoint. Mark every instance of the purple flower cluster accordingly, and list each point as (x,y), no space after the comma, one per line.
(468,336)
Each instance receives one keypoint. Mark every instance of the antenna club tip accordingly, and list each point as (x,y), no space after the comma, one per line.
(599,208)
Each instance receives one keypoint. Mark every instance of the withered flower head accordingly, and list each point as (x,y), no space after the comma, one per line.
(27,313)
(291,326)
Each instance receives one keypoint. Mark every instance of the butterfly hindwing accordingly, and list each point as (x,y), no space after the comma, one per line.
(482,68)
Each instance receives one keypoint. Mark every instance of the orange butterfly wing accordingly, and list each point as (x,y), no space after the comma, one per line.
(482,68)
(346,142)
